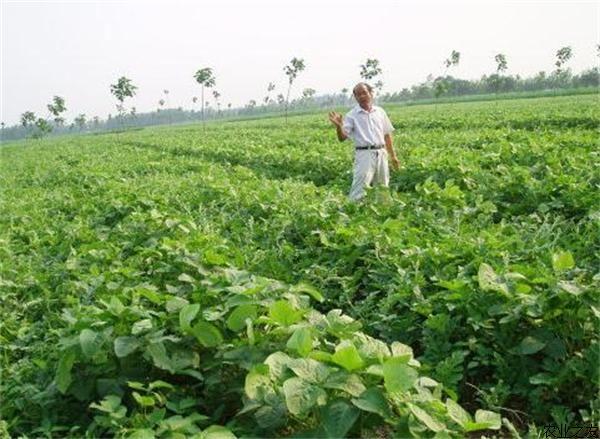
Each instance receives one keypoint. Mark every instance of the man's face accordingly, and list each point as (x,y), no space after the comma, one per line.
(362,96)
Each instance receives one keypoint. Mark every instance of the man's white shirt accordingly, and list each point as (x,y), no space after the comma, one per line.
(367,128)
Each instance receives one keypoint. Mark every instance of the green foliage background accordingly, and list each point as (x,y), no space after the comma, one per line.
(175,281)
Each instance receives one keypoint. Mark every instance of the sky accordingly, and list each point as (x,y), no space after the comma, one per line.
(78,48)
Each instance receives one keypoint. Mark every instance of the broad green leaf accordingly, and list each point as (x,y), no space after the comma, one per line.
(158,352)
(347,356)
(110,404)
(151,295)
(186,315)
(142,433)
(237,319)
(144,401)
(457,413)
(141,326)
(338,417)
(160,384)
(488,280)
(425,418)
(283,313)
(175,304)
(309,370)
(211,257)
(398,376)
(278,364)
(492,420)
(349,383)
(182,358)
(301,341)
(125,345)
(570,287)
(301,396)
(258,383)
(374,401)
(272,416)
(89,342)
(401,350)
(563,261)
(63,371)
(207,334)
(217,432)
(309,289)
(370,347)
(530,345)
(115,306)
(341,325)
(541,378)
(184,277)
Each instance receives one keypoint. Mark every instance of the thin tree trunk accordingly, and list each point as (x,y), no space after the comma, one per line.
(287,102)
(203,122)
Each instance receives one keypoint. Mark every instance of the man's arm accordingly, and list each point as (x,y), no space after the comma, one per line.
(336,119)
(389,146)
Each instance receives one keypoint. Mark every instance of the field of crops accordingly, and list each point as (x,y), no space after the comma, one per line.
(181,281)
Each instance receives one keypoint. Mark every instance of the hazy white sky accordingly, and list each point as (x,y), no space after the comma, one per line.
(76,49)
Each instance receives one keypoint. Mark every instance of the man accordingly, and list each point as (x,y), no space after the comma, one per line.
(371,130)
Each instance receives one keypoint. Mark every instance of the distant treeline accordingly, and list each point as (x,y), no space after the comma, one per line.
(429,90)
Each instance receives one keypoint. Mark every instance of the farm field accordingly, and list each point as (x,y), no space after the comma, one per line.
(216,281)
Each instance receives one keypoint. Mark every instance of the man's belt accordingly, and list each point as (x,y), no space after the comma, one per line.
(370,147)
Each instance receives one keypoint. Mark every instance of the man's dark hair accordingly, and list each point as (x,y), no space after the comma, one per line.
(368,86)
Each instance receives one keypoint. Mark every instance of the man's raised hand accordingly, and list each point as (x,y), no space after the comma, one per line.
(335,118)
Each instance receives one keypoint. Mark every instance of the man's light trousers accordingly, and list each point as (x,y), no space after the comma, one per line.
(370,166)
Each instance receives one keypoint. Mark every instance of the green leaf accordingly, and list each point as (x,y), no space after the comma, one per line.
(369,347)
(271,416)
(183,277)
(158,352)
(349,383)
(530,345)
(258,383)
(175,304)
(63,371)
(309,289)
(301,396)
(217,432)
(207,334)
(237,319)
(152,296)
(569,287)
(309,370)
(398,376)
(301,341)
(211,257)
(457,413)
(278,364)
(89,342)
(115,306)
(541,378)
(488,280)
(373,400)
(186,315)
(562,261)
(401,350)
(492,420)
(141,326)
(144,401)
(425,418)
(142,433)
(283,313)
(109,404)
(347,356)
(125,345)
(338,417)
